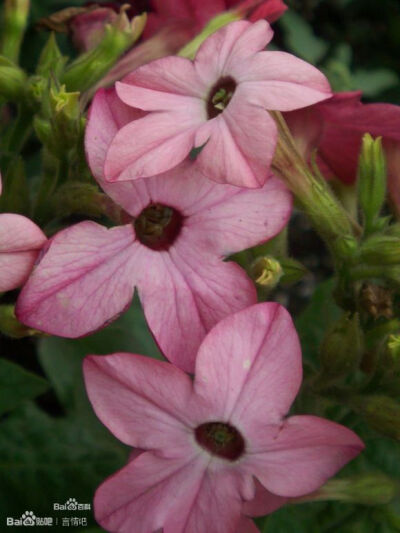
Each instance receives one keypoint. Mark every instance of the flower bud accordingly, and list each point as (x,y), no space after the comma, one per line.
(12,81)
(371,180)
(364,489)
(89,68)
(266,271)
(293,270)
(51,61)
(342,347)
(15,194)
(15,18)
(381,250)
(382,413)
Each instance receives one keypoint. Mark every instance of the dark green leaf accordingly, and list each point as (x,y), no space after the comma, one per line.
(18,385)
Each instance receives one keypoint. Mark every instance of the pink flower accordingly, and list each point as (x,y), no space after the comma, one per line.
(220,448)
(179,228)
(20,243)
(217,102)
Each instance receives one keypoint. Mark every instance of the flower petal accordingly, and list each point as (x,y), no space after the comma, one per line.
(215,507)
(164,84)
(246,525)
(151,145)
(83,280)
(232,43)
(281,81)
(146,493)
(15,269)
(237,152)
(263,503)
(196,294)
(257,373)
(142,401)
(19,234)
(245,219)
(301,455)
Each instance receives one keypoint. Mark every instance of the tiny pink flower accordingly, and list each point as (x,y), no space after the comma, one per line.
(218,102)
(20,243)
(218,449)
(179,229)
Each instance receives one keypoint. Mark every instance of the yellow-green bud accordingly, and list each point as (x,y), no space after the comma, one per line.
(293,270)
(51,61)
(371,180)
(381,250)
(266,271)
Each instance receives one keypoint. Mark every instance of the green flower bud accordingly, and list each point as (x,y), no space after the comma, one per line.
(15,18)
(293,270)
(365,489)
(342,347)
(90,67)
(12,81)
(382,413)
(381,250)
(15,195)
(266,271)
(371,180)
(347,245)
(51,61)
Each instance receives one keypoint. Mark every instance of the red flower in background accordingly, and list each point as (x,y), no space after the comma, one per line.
(336,127)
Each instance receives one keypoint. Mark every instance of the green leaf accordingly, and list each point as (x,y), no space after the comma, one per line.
(62,359)
(300,39)
(47,460)
(18,385)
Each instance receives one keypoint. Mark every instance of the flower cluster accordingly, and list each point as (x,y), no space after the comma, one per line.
(187,153)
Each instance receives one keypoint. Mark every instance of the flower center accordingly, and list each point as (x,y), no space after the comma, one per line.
(158,226)
(220,96)
(220,439)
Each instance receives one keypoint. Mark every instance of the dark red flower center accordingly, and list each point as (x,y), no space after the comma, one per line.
(158,226)
(220,96)
(220,439)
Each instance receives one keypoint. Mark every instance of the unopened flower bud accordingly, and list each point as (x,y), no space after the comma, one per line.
(266,271)
(382,413)
(393,345)
(364,489)
(342,347)
(293,270)
(347,245)
(12,81)
(381,250)
(90,67)
(371,179)
(51,61)
(14,23)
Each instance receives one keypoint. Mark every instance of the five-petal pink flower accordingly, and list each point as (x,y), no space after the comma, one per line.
(180,226)
(218,102)
(220,449)
(20,243)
